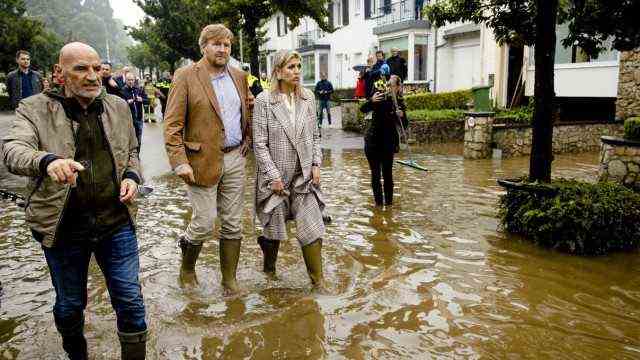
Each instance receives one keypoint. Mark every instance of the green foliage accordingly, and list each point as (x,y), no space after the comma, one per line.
(435,115)
(179,22)
(16,33)
(521,114)
(89,21)
(153,51)
(575,217)
(439,101)
(632,129)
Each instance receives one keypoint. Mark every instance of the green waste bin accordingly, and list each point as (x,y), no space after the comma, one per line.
(481,101)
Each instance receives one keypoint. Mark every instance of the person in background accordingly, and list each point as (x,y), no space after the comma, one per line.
(323,91)
(57,80)
(110,85)
(150,105)
(264,81)
(121,79)
(135,96)
(84,203)
(23,82)
(164,85)
(360,91)
(254,82)
(397,64)
(46,85)
(381,139)
(418,7)
(381,65)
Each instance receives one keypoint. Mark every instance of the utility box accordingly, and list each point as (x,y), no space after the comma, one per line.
(481,100)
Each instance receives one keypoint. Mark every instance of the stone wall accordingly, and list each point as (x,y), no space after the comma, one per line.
(628,103)
(515,140)
(620,161)
(477,135)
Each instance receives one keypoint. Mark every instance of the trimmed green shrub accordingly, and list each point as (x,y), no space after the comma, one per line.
(575,217)
(439,101)
(632,129)
(347,93)
(435,115)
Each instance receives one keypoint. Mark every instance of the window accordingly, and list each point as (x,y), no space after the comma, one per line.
(345,12)
(330,8)
(368,6)
(285,26)
(324,64)
(357,6)
(338,12)
(278,25)
(574,54)
(420,58)
(308,69)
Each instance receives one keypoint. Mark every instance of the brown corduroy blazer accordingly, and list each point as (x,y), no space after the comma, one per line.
(194,132)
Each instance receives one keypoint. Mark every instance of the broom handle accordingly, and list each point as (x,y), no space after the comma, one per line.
(404,133)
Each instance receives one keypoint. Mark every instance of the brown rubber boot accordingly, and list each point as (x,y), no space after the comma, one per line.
(312,255)
(270,252)
(229,255)
(190,253)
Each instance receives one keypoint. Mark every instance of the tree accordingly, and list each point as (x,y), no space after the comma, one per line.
(141,56)
(19,32)
(180,21)
(149,33)
(533,22)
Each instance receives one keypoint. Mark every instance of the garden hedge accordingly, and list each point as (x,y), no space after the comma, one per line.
(439,101)
(575,217)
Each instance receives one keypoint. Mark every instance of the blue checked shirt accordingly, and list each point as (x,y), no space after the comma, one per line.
(231,107)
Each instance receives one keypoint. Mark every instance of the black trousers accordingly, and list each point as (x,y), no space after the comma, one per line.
(380,162)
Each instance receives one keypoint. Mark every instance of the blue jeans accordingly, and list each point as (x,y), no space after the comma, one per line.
(324,104)
(137,125)
(118,259)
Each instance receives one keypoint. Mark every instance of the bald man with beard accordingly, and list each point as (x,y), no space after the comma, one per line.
(78,147)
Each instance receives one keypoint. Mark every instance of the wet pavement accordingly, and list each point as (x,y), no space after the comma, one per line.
(430,277)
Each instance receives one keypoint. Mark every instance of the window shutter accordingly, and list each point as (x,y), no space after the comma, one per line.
(330,8)
(345,12)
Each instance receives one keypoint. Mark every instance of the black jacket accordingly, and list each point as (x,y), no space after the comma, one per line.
(135,106)
(113,90)
(323,90)
(14,85)
(398,66)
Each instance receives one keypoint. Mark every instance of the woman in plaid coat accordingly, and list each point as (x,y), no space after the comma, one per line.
(287,149)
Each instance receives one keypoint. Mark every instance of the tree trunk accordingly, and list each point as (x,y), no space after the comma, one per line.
(545,47)
(250,25)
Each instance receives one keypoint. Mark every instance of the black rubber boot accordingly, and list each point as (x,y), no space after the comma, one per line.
(133,346)
(73,341)
(190,253)
(229,255)
(270,253)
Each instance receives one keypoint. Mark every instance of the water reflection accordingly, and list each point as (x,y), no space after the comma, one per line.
(431,275)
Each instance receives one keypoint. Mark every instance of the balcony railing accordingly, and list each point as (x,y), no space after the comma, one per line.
(310,38)
(396,12)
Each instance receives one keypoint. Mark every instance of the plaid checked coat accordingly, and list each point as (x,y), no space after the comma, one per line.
(287,152)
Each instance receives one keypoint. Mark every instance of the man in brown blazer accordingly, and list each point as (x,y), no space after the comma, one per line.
(207,136)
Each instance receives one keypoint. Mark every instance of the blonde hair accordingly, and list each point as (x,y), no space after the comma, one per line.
(280,59)
(214,31)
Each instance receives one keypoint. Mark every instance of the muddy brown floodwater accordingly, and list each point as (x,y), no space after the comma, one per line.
(431,277)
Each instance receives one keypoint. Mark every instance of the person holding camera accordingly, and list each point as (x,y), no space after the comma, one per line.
(381,142)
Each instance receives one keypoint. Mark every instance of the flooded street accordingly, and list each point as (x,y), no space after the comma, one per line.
(431,277)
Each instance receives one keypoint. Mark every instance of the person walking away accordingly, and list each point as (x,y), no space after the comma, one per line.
(207,136)
(23,81)
(254,82)
(288,159)
(110,85)
(397,64)
(79,149)
(381,139)
(323,91)
(135,96)
(164,86)
(150,105)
